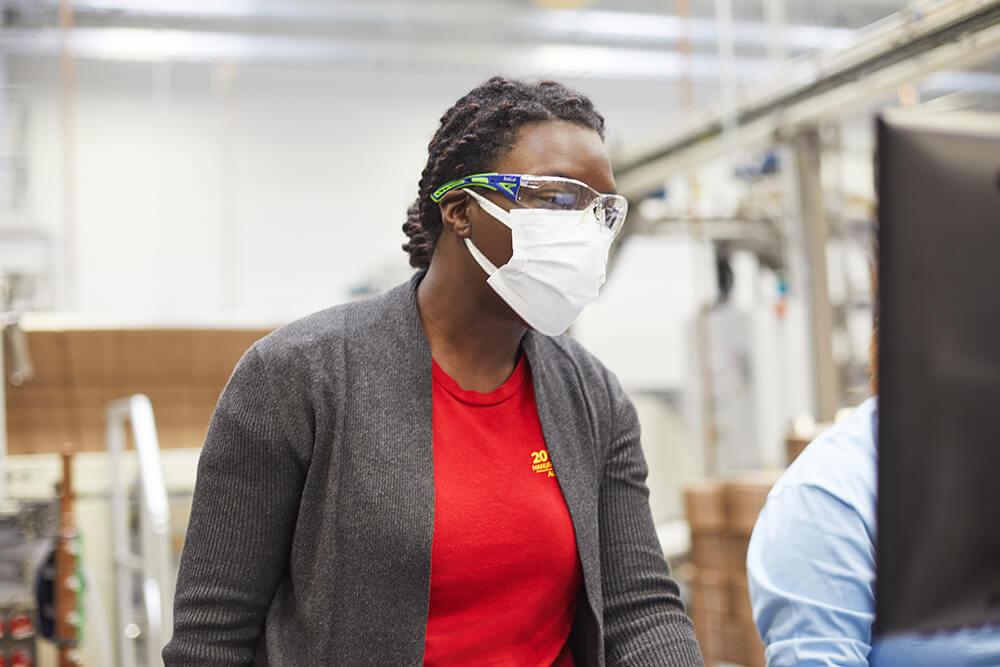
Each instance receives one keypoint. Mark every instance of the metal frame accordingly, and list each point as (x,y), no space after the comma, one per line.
(12,342)
(905,47)
(154,563)
(807,150)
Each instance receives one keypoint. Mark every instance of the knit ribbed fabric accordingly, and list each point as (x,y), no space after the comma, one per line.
(310,535)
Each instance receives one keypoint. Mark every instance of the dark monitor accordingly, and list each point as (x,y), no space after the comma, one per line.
(938,543)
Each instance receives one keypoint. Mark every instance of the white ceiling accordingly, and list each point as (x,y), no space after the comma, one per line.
(611,40)
(634,39)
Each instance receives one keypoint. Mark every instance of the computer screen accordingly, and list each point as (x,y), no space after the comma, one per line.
(938,542)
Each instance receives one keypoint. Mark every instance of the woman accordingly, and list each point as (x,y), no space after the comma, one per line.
(435,476)
(811,563)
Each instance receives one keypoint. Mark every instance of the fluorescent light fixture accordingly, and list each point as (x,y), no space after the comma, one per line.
(142,44)
(497,19)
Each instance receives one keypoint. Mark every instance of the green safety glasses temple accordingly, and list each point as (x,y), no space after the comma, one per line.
(507,184)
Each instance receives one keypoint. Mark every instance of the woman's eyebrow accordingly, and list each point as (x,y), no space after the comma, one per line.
(556,173)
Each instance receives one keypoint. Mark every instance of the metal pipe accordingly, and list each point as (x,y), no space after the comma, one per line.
(14,344)
(6,182)
(808,155)
(686,80)
(777,22)
(6,150)
(727,61)
(121,553)
(223,78)
(154,563)
(67,118)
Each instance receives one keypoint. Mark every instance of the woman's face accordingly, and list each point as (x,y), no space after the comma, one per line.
(548,148)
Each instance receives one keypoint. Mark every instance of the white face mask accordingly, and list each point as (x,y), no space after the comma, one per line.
(558,265)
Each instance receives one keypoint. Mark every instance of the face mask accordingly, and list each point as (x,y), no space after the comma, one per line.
(558,265)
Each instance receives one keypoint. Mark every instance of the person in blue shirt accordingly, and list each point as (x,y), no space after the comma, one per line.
(811,565)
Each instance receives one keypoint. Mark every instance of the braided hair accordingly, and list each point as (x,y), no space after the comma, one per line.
(473,135)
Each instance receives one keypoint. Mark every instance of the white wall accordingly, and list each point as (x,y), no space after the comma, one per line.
(643,327)
(267,204)
(194,204)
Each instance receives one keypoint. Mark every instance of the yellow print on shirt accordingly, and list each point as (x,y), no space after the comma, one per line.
(540,462)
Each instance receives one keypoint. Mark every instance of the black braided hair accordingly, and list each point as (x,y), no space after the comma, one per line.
(473,135)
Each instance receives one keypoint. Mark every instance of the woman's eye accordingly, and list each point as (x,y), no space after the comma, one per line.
(560,199)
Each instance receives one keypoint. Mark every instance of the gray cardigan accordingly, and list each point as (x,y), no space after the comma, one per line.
(309,541)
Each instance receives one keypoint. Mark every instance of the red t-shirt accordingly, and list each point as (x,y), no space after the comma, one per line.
(504,569)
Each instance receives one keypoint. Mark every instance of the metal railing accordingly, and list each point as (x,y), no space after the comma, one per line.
(153,564)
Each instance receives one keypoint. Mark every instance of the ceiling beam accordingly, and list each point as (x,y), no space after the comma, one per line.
(905,48)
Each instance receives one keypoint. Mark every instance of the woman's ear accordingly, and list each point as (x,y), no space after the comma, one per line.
(455,212)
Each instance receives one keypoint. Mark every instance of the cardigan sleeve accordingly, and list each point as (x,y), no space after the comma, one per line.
(644,618)
(243,514)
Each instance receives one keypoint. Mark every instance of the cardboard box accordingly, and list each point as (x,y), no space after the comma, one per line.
(704,505)
(722,514)
(710,592)
(735,552)
(709,550)
(740,602)
(90,357)
(79,372)
(726,638)
(708,629)
(48,357)
(728,506)
(741,645)
(745,498)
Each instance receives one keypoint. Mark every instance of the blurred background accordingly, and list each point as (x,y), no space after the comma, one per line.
(178,177)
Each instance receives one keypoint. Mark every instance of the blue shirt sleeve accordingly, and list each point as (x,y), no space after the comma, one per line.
(811,561)
(811,566)
(811,569)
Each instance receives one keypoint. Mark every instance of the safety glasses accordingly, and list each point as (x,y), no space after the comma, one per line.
(549,192)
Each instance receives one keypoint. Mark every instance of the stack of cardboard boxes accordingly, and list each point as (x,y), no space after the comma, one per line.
(722,514)
(78,372)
